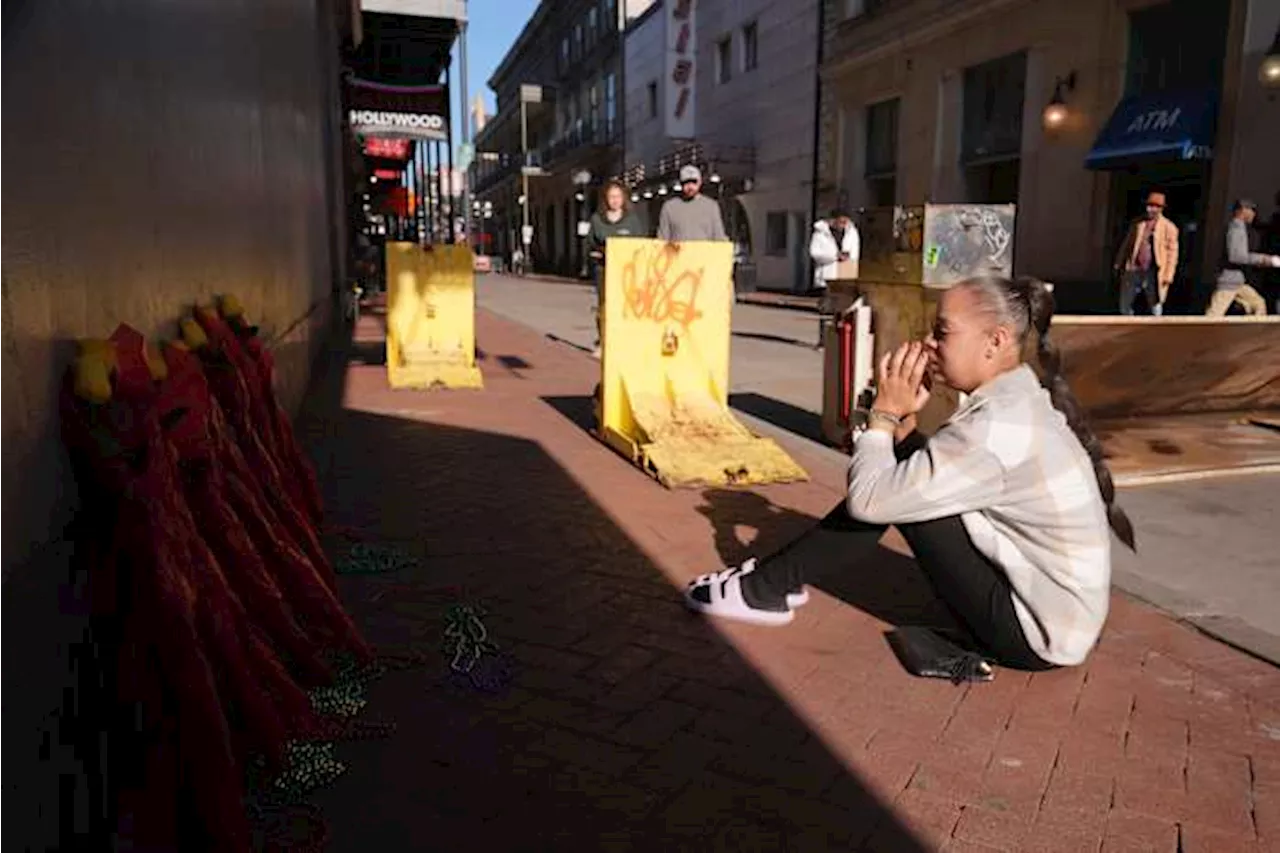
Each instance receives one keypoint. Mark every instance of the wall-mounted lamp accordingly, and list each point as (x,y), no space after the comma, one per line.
(648,193)
(579,197)
(635,197)
(1269,71)
(662,190)
(1055,114)
(715,177)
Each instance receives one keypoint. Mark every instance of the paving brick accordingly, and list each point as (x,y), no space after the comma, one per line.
(1086,795)
(998,829)
(1129,833)
(585,752)
(1152,789)
(807,769)
(1266,812)
(655,724)
(1063,832)
(928,817)
(1199,839)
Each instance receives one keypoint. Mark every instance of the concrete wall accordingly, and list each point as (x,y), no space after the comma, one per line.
(157,154)
(770,107)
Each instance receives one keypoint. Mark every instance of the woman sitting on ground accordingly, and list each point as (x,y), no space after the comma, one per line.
(1006,507)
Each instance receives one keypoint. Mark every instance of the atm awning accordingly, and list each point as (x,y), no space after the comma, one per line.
(1161,126)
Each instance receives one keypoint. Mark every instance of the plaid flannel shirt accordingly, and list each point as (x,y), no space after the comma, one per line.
(1007,463)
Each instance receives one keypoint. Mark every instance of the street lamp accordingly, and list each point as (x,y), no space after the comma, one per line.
(1055,113)
(581,179)
(529,94)
(1269,71)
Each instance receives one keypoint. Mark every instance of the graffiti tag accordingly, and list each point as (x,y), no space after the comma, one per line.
(650,293)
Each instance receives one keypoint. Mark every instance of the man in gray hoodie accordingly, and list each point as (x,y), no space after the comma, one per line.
(690,215)
(1232,286)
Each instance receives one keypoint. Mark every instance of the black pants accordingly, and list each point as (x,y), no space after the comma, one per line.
(975,590)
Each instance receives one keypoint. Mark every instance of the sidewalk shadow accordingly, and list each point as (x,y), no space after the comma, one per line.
(785,416)
(892,588)
(610,736)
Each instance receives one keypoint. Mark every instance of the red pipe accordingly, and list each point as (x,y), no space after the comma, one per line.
(845,330)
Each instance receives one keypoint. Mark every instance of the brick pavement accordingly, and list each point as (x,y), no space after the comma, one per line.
(632,725)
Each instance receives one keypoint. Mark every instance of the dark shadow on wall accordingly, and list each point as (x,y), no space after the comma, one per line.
(611,736)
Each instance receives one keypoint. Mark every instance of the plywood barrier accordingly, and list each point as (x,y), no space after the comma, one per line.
(431,317)
(665,367)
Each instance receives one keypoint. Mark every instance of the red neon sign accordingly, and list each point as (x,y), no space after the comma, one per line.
(387,174)
(388,149)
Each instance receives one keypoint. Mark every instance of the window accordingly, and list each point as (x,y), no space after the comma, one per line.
(593,101)
(724,60)
(882,153)
(775,233)
(651,91)
(750,47)
(593,23)
(610,16)
(564,53)
(882,138)
(610,104)
(577,41)
(994,98)
(858,8)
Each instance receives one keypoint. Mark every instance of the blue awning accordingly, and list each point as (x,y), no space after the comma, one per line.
(1160,126)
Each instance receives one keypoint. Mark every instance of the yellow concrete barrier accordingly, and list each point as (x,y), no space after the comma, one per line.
(665,365)
(431,317)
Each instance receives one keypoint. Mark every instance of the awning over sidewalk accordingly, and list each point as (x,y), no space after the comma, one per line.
(1161,126)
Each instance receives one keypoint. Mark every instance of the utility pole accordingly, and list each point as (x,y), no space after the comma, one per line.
(466,134)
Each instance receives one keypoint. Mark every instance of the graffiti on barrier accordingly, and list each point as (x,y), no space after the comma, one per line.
(651,292)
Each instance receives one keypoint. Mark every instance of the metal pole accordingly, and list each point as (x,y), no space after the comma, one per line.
(419,153)
(524,175)
(445,226)
(466,125)
(448,77)
(430,190)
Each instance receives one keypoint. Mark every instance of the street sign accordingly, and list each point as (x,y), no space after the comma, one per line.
(526,233)
(466,155)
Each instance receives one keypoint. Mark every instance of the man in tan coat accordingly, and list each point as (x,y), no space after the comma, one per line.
(1148,258)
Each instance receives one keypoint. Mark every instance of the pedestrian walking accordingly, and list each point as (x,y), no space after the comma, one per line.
(691,215)
(1148,258)
(1238,256)
(1006,507)
(615,218)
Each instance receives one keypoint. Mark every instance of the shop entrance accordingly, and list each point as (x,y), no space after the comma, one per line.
(1186,186)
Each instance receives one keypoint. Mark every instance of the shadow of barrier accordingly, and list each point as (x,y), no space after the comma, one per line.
(431,317)
(1171,398)
(665,366)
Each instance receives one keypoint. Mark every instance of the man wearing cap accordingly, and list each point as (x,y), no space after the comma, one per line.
(1148,256)
(1238,254)
(690,215)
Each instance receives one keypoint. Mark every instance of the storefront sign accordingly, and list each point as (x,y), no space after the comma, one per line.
(402,112)
(386,149)
(680,68)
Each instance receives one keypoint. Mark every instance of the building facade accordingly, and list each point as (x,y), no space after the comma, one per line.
(744,112)
(929,100)
(557,131)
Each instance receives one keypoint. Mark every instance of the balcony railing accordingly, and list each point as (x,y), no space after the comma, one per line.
(583,135)
(491,173)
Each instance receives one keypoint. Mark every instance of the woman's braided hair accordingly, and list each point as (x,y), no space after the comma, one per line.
(1026,305)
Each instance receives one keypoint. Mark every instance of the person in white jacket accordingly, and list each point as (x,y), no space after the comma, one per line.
(834,239)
